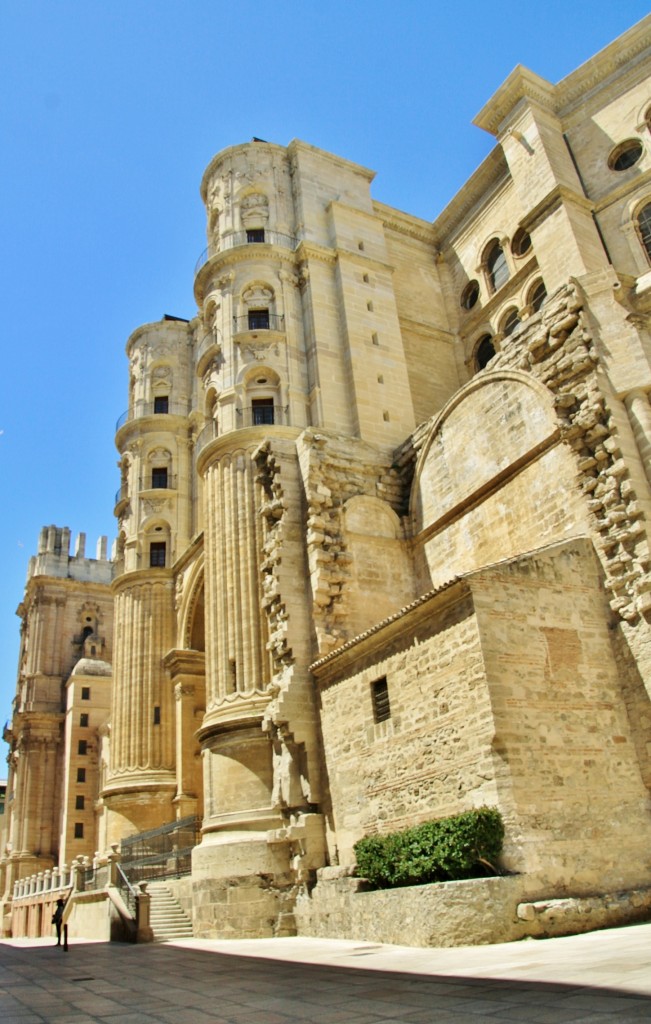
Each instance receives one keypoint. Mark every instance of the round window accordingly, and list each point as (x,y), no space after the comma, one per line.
(521,242)
(470,294)
(625,155)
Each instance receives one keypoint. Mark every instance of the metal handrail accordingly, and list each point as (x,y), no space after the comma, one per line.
(210,340)
(128,892)
(142,408)
(121,493)
(206,435)
(145,484)
(161,852)
(263,416)
(254,321)
(244,238)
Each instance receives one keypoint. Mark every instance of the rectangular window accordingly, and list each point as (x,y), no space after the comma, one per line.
(83,747)
(380,697)
(258,319)
(156,714)
(79,803)
(157,554)
(85,693)
(81,774)
(161,403)
(255,235)
(79,830)
(262,410)
(83,719)
(159,476)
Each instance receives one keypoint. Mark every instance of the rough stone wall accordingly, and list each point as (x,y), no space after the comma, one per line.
(569,785)
(432,757)
(335,468)
(473,912)
(557,348)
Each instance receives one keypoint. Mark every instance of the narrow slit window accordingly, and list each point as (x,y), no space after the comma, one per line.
(380,697)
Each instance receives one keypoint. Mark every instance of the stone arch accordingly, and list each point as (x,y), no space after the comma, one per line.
(379,578)
(492,479)
(192,610)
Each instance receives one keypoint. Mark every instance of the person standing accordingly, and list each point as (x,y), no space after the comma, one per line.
(57,919)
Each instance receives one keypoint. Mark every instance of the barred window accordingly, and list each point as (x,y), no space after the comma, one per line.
(380,697)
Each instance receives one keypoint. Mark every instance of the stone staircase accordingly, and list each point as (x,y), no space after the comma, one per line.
(166,917)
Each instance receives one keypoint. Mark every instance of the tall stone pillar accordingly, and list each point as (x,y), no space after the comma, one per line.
(141,781)
(639,414)
(230,897)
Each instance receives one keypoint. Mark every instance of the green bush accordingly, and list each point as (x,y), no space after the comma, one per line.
(464,846)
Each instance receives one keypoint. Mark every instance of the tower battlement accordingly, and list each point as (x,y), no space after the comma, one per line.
(54,559)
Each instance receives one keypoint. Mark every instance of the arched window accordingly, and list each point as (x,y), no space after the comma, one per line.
(537,295)
(510,321)
(496,266)
(644,227)
(484,352)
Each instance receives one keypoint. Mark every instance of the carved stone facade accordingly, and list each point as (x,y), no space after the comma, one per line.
(398,457)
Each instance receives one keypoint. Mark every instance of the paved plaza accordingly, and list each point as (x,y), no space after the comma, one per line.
(585,979)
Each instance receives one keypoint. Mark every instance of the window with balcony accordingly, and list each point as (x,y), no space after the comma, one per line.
(262,412)
(258,319)
(157,552)
(161,404)
(255,235)
(159,477)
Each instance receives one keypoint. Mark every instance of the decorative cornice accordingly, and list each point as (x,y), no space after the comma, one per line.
(405,224)
(524,85)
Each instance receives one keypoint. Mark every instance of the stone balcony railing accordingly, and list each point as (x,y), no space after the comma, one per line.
(260,236)
(140,409)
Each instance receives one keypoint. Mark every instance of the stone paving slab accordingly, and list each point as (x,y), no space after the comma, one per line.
(587,979)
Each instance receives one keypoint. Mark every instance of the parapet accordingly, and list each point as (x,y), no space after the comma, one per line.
(53,557)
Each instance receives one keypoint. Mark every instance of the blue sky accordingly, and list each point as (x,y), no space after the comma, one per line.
(109,114)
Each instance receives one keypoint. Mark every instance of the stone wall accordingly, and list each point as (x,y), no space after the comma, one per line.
(469,913)
(503,691)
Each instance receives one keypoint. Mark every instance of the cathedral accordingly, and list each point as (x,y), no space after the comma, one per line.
(382,551)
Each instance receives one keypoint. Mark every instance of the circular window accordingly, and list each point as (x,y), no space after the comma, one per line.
(470,294)
(521,242)
(625,155)
(261,380)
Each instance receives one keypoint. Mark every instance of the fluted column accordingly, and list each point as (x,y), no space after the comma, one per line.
(236,656)
(141,780)
(639,414)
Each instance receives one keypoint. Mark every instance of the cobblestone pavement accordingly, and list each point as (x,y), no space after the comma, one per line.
(586,979)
